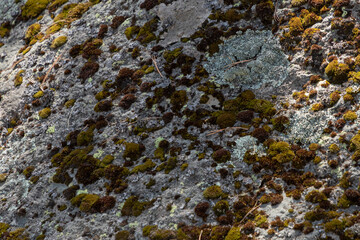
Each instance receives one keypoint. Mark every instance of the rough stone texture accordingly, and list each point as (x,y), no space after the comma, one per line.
(171,128)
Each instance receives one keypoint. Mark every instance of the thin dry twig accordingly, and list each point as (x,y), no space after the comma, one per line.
(48,72)
(225,129)
(153,58)
(251,210)
(236,63)
(200,234)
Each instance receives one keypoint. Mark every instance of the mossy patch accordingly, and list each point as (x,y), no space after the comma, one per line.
(337,72)
(58,42)
(45,113)
(213,192)
(33,8)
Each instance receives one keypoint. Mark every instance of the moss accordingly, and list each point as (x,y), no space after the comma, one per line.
(18,234)
(76,201)
(355,141)
(234,234)
(298,3)
(107,159)
(333,148)
(265,11)
(335,226)
(314,146)
(226,119)
(178,99)
(56,4)
(32,31)
(54,28)
(28,171)
(58,42)
(33,8)
(69,103)
(221,156)
(84,138)
(146,34)
(280,123)
(3,228)
(309,18)
(5,29)
(315,196)
(344,181)
(350,116)
(122,235)
(146,166)
(18,78)
(102,95)
(334,97)
(170,164)
(213,192)
(131,31)
(184,166)
(343,202)
(1,44)
(295,26)
(45,113)
(317,107)
(337,72)
(88,201)
(39,94)
(133,207)
(170,56)
(221,207)
(103,106)
(148,229)
(132,151)
(280,151)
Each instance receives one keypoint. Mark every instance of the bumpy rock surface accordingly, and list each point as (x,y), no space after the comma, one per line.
(164,119)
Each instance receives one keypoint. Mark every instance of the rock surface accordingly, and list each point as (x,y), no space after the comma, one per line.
(209,119)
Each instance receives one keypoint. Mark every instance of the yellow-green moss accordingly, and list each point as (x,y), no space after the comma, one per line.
(39,94)
(281,152)
(133,207)
(131,31)
(226,119)
(295,26)
(33,8)
(58,42)
(107,159)
(337,72)
(315,196)
(298,3)
(334,225)
(18,78)
(85,137)
(334,97)
(333,148)
(221,207)
(4,30)
(88,201)
(56,4)
(317,107)
(350,116)
(45,113)
(146,166)
(213,192)
(132,151)
(3,228)
(32,31)
(234,234)
(70,103)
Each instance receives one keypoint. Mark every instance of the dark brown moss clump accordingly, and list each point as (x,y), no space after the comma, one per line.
(88,70)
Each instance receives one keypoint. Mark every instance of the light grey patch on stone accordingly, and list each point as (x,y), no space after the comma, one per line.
(182,18)
(306,126)
(265,61)
(244,144)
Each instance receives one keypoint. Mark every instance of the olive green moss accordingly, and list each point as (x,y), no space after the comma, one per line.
(315,196)
(3,228)
(18,78)
(170,56)
(88,201)
(178,99)
(28,171)
(5,29)
(133,207)
(32,31)
(107,159)
(58,42)
(317,107)
(146,166)
(333,148)
(226,119)
(39,94)
(221,207)
(145,34)
(56,4)
(33,8)
(132,151)
(335,225)
(84,138)
(234,234)
(281,152)
(350,116)
(70,103)
(337,72)
(45,113)
(213,192)
(295,26)
(131,31)
(122,235)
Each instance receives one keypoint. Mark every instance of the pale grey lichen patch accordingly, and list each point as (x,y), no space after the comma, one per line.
(267,62)
(307,127)
(247,143)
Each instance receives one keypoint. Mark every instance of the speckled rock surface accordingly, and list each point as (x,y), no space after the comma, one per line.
(138,128)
